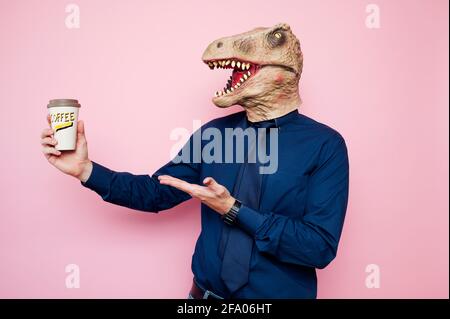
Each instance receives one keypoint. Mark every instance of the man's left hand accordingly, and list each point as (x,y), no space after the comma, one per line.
(213,194)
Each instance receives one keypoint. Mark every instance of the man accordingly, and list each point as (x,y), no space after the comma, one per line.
(263,232)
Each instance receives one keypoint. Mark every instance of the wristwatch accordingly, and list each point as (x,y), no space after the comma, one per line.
(230,217)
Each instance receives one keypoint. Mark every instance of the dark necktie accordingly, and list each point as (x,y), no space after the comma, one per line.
(247,189)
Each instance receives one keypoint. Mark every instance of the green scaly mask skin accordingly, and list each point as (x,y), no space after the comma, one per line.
(266,66)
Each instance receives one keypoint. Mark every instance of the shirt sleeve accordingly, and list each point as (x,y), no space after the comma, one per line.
(143,192)
(313,239)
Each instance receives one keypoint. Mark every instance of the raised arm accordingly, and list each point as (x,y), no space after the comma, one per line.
(141,192)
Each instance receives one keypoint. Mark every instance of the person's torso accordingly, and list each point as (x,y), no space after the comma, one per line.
(283,192)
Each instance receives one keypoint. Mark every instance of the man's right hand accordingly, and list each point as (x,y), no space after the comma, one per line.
(75,163)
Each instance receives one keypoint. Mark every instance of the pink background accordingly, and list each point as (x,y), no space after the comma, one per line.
(135,67)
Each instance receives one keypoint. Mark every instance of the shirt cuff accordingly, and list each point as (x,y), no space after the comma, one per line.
(249,220)
(99,180)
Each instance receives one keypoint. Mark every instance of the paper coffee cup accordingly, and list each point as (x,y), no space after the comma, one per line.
(64,119)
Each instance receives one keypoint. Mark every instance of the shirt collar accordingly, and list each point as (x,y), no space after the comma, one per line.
(276,122)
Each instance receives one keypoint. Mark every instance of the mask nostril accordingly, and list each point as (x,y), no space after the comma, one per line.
(219,44)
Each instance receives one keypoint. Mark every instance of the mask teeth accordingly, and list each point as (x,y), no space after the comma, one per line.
(238,66)
(229,64)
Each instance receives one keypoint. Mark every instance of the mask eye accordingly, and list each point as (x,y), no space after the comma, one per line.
(276,38)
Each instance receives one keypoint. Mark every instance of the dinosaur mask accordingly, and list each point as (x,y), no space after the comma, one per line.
(266,66)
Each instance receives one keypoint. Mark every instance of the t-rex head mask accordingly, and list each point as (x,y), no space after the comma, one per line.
(266,63)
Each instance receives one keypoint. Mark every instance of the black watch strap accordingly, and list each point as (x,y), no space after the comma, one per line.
(230,217)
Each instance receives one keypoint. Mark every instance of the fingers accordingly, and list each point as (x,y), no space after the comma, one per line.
(49,141)
(47,132)
(80,128)
(81,137)
(48,150)
(175,182)
(167,178)
(212,184)
(49,120)
(212,190)
(192,189)
(208,181)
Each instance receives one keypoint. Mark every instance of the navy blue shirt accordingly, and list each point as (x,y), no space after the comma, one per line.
(299,221)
